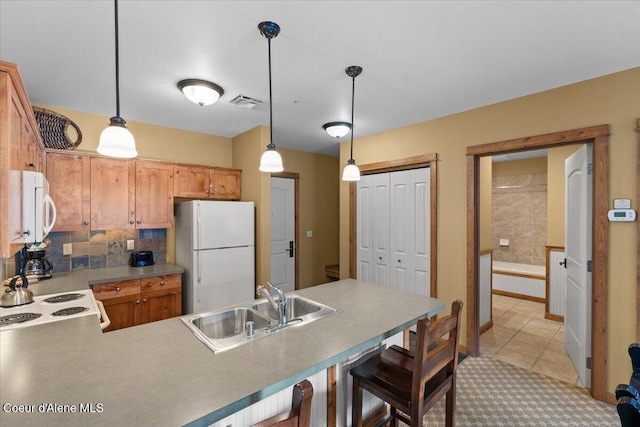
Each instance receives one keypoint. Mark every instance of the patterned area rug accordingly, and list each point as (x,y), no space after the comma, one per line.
(491,393)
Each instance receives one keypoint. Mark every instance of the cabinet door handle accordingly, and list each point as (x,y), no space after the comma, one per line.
(118,289)
(137,301)
(131,222)
(139,221)
(144,300)
(86,222)
(162,283)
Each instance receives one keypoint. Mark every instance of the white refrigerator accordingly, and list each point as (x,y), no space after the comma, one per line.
(215,246)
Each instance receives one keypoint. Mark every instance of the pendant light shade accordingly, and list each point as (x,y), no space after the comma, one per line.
(116,140)
(270,160)
(337,129)
(200,92)
(351,171)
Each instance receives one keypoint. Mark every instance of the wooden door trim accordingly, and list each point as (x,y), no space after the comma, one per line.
(296,235)
(428,160)
(638,272)
(598,136)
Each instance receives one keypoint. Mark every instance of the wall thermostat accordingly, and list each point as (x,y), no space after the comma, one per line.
(622,215)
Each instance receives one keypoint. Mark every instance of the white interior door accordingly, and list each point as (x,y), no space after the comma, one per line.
(421,231)
(381,228)
(577,319)
(364,238)
(401,228)
(393,230)
(282,233)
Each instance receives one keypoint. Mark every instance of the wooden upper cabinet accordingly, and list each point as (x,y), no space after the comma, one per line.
(154,195)
(225,184)
(198,182)
(191,181)
(20,143)
(69,179)
(112,194)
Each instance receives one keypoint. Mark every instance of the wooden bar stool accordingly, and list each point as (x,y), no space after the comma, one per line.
(300,413)
(412,382)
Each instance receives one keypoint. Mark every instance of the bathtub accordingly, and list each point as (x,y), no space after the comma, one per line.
(519,280)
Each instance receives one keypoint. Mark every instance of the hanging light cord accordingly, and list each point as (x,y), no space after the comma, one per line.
(117,64)
(353,91)
(271,145)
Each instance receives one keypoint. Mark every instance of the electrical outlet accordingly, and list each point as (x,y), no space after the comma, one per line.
(309,233)
(67,248)
(130,245)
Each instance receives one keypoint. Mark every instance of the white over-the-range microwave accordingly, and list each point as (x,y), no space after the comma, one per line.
(38,209)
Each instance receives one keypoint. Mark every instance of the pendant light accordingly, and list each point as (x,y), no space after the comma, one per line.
(351,171)
(116,140)
(270,160)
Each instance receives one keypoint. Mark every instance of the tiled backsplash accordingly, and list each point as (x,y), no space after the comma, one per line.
(519,214)
(97,249)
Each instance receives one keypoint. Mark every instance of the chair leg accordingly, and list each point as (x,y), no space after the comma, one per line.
(356,404)
(393,422)
(451,407)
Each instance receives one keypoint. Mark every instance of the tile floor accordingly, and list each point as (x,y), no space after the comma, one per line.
(522,336)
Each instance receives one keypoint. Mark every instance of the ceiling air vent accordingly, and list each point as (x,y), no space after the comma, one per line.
(245,101)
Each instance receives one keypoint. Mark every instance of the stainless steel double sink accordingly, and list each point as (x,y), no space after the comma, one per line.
(223,330)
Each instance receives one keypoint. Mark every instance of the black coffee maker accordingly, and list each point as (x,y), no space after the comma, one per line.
(30,261)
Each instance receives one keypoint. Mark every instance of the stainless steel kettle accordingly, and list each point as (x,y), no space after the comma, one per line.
(17,294)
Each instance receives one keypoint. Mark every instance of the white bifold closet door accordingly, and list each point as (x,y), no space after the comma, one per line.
(393,230)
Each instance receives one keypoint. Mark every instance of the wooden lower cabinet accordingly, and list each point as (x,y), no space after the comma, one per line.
(134,302)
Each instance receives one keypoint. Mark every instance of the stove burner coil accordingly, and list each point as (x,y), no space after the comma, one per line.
(63,298)
(69,311)
(18,318)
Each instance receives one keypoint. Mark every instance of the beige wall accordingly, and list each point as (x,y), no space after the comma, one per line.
(318,212)
(520,167)
(611,100)
(555,193)
(318,204)
(486,168)
(153,141)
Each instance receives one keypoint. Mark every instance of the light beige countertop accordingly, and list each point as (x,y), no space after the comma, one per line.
(161,374)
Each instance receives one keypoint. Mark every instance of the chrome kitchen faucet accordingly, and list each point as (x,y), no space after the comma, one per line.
(280,306)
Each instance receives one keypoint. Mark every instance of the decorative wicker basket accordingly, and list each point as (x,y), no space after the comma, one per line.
(54,129)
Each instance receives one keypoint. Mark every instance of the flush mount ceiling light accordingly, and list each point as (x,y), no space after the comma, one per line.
(270,160)
(351,171)
(116,140)
(337,129)
(200,92)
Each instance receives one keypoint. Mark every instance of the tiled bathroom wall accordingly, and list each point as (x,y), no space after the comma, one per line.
(519,214)
(97,249)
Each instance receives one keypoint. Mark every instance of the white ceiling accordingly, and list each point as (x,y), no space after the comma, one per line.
(421,59)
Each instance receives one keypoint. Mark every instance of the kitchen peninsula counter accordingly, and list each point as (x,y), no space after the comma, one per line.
(161,374)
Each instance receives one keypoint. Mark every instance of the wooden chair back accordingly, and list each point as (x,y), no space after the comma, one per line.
(435,355)
(300,413)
